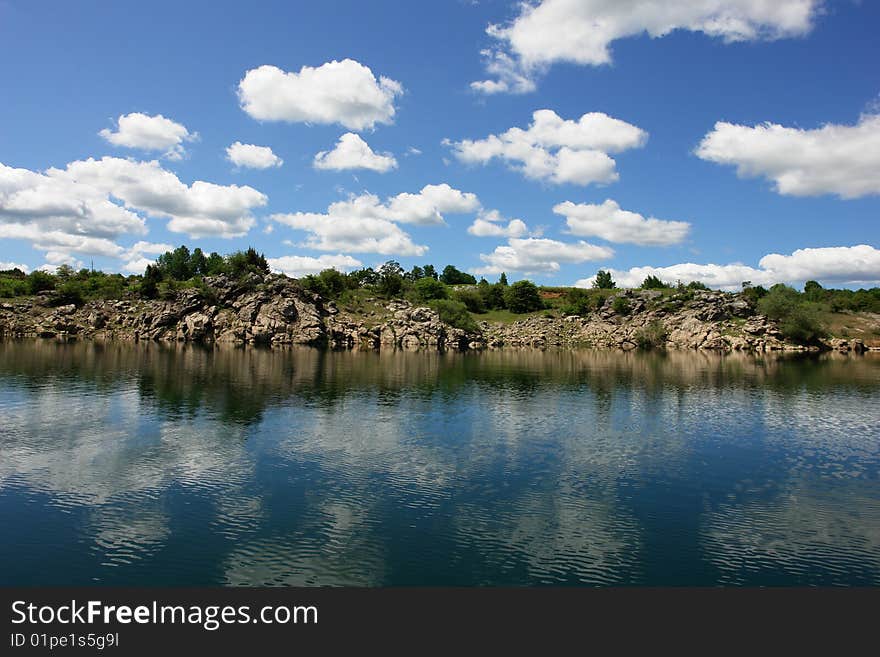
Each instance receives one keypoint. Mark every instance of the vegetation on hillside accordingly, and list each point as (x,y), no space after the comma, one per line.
(457,296)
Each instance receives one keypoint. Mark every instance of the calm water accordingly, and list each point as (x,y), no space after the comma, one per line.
(152,465)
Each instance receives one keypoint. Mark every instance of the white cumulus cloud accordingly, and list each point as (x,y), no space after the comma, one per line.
(252,157)
(150,133)
(539,256)
(491,224)
(352,152)
(558,150)
(198,210)
(13,265)
(582,31)
(343,92)
(610,222)
(364,224)
(832,265)
(135,255)
(834,159)
(298,266)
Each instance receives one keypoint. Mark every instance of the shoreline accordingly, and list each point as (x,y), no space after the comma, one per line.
(276,311)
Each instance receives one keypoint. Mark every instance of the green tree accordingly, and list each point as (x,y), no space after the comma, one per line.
(813,291)
(452,276)
(243,262)
(198,263)
(603,280)
(430,272)
(176,264)
(214,264)
(523,297)
(653,283)
(502,280)
(391,279)
(150,282)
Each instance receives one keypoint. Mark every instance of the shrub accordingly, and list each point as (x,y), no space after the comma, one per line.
(581,302)
(651,336)
(472,299)
(798,319)
(428,289)
(455,314)
(620,305)
(39,281)
(68,293)
(330,283)
(523,297)
(493,295)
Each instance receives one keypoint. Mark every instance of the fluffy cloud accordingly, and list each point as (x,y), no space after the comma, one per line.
(352,152)
(539,255)
(490,224)
(834,265)
(60,215)
(557,150)
(198,210)
(13,265)
(614,224)
(252,157)
(150,133)
(834,159)
(363,224)
(581,31)
(85,207)
(136,262)
(343,92)
(298,266)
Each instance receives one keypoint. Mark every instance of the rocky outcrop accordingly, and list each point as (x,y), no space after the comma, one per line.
(271,310)
(275,310)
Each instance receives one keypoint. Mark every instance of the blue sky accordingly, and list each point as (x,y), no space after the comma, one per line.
(795,84)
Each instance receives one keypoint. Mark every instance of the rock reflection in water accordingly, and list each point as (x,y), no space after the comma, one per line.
(152,464)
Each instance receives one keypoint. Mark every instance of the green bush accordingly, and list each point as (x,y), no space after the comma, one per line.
(651,336)
(523,297)
(329,283)
(428,289)
(455,314)
(39,281)
(581,302)
(13,286)
(620,305)
(68,293)
(798,319)
(492,295)
(472,299)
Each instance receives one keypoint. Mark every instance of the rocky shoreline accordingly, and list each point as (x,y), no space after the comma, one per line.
(274,310)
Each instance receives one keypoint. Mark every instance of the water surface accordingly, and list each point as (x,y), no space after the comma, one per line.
(172,465)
